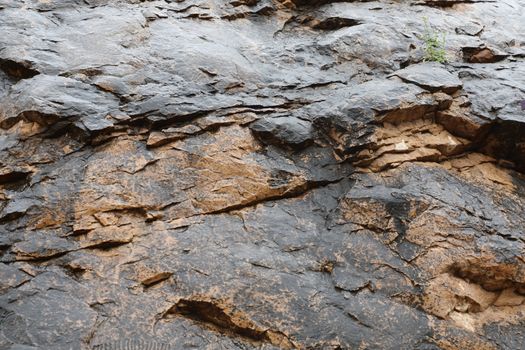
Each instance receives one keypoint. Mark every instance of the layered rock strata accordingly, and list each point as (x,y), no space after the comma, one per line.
(261,175)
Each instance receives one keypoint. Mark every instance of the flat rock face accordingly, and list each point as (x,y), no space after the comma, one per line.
(258,174)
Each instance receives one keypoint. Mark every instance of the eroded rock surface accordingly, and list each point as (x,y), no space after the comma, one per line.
(258,174)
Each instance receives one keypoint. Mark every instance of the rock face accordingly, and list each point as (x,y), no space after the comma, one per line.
(261,175)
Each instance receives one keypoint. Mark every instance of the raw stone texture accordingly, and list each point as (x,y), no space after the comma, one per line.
(258,174)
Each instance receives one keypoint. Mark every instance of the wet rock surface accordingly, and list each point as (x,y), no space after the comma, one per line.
(261,175)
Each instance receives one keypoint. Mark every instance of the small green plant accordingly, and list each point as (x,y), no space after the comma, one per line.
(434,44)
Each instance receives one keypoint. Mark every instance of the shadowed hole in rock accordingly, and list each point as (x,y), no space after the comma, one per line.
(107,245)
(17,70)
(504,140)
(14,180)
(214,317)
(11,217)
(449,3)
(14,176)
(481,55)
(334,23)
(4,248)
(405,63)
(491,278)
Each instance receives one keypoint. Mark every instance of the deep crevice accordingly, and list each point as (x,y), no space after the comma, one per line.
(492,278)
(292,194)
(108,245)
(17,70)
(209,313)
(503,139)
(15,180)
(335,23)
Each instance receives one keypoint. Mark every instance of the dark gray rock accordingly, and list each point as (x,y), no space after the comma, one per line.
(430,76)
(261,175)
(349,120)
(53,101)
(288,131)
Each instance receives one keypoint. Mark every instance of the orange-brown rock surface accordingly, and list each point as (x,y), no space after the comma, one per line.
(261,174)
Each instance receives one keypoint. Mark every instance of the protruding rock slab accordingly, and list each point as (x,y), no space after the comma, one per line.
(286,131)
(430,76)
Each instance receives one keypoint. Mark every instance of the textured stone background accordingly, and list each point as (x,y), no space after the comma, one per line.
(257,174)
